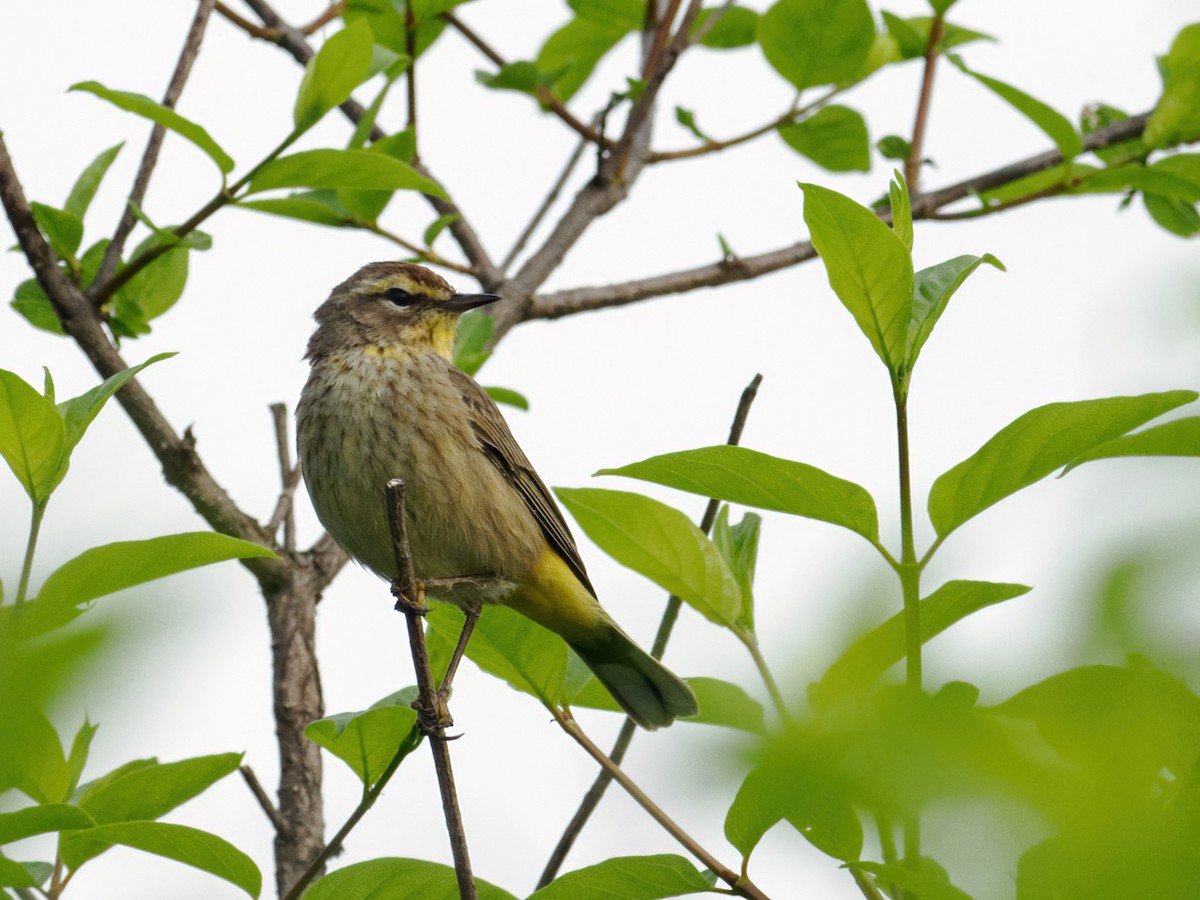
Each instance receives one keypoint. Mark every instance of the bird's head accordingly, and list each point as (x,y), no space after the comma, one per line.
(395,306)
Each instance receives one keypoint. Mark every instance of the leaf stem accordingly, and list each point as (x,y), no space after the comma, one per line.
(751,643)
(35,525)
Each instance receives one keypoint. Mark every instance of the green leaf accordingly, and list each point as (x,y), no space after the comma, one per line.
(190,846)
(32,303)
(1180,437)
(31,755)
(341,65)
(739,545)
(63,230)
(750,478)
(15,874)
(879,649)
(721,703)
(470,343)
(80,748)
(79,412)
(88,182)
(813,42)
(1100,115)
(1154,179)
(819,811)
(571,53)
(941,7)
(23,823)
(113,567)
(319,207)
(1176,216)
(1033,446)
(393,70)
(924,885)
(892,146)
(437,226)
(141,105)
(508,397)
(506,644)
(661,543)
(396,878)
(33,440)
(1056,126)
(736,27)
(142,793)
(157,287)
(360,169)
(1176,116)
(522,76)
(628,878)
(933,288)
(687,119)
(1066,175)
(869,268)
(902,224)
(835,138)
(368,740)
(366,205)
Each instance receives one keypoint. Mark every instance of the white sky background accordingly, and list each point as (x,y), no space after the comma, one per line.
(1095,303)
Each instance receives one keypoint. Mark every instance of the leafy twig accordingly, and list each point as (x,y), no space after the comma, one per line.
(596,792)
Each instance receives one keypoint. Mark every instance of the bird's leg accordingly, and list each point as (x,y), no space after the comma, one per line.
(472,614)
(415,605)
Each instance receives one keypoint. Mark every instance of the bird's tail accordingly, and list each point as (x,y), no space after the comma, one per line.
(648,692)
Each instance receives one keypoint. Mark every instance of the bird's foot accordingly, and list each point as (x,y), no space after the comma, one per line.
(413,606)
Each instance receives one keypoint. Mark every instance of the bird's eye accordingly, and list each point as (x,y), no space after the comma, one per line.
(399,296)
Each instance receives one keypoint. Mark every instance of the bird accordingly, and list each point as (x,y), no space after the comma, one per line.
(384,400)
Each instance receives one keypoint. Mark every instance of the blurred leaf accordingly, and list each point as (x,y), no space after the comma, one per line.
(33,440)
(1176,216)
(1066,174)
(835,138)
(23,823)
(368,740)
(933,288)
(387,21)
(506,644)
(141,105)
(342,169)
(874,652)
(142,793)
(1100,115)
(813,42)
(63,230)
(819,811)
(470,343)
(914,882)
(1150,179)
(341,65)
(440,224)
(522,76)
(687,119)
(396,878)
(721,703)
(79,412)
(941,7)
(628,878)
(736,27)
(321,207)
(750,478)
(869,268)
(190,846)
(1056,126)
(892,146)
(902,224)
(32,303)
(88,182)
(508,397)
(1033,446)
(661,543)
(31,755)
(1180,437)
(1176,116)
(15,874)
(78,757)
(570,54)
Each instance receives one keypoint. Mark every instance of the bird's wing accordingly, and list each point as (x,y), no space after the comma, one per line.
(498,444)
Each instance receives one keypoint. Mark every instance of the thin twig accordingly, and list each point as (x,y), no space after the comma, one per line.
(332,12)
(289,478)
(596,792)
(183,68)
(425,254)
(410,76)
(432,713)
(743,886)
(541,92)
(264,800)
(272,35)
(924,206)
(912,165)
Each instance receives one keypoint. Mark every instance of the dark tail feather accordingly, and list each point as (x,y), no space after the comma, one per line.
(651,695)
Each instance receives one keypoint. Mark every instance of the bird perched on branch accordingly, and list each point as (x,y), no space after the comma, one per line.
(383,401)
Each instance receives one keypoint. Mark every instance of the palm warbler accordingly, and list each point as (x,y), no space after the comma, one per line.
(383,401)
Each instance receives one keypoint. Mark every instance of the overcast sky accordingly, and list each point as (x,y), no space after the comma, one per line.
(1095,302)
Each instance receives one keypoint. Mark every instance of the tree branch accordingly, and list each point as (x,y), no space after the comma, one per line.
(924,206)
(183,68)
(912,165)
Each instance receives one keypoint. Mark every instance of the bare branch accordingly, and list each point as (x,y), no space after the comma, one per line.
(263,799)
(183,68)
(289,478)
(912,165)
(596,792)
(924,206)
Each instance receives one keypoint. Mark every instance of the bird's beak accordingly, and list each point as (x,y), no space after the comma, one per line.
(462,302)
